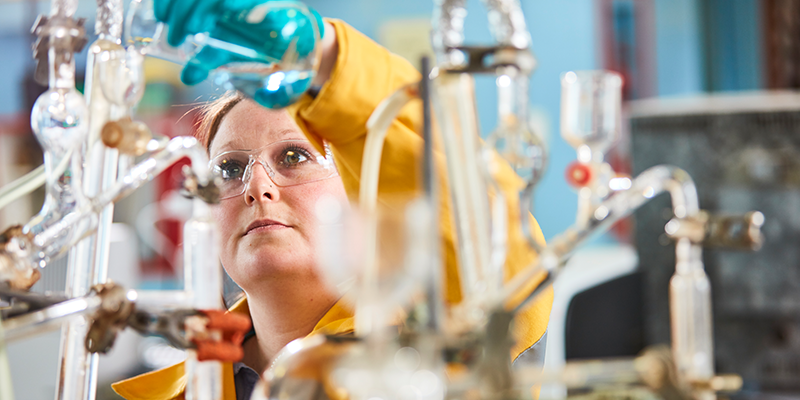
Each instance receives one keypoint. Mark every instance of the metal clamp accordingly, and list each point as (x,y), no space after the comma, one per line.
(482,59)
(193,188)
(739,232)
(19,302)
(169,324)
(72,32)
(112,316)
(15,269)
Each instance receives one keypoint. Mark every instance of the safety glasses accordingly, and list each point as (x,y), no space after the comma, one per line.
(287,162)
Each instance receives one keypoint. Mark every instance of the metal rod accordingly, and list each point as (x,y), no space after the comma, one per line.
(435,287)
(164,299)
(507,23)
(448,30)
(203,281)
(50,318)
(88,260)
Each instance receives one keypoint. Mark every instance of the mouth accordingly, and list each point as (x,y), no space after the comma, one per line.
(264,225)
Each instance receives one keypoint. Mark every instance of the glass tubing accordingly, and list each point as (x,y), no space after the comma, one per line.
(88,260)
(690,302)
(75,209)
(481,222)
(202,275)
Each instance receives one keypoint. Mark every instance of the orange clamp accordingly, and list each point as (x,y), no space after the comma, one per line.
(232,326)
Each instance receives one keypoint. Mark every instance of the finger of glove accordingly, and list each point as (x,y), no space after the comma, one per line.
(272,30)
(205,61)
(204,16)
(187,17)
(286,94)
(161,9)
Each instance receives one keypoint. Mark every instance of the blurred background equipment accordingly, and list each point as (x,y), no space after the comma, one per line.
(741,152)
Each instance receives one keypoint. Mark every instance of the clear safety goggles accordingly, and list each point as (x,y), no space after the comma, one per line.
(287,162)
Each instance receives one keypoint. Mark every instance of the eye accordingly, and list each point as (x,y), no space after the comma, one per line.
(230,168)
(293,156)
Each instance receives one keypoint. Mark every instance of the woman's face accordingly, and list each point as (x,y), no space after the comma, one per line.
(268,232)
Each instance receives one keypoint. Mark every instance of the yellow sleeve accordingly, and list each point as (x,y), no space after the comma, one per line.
(366,73)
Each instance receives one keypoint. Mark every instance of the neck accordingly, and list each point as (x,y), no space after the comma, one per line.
(281,312)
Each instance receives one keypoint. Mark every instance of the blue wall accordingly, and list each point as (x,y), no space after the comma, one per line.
(734,44)
(564,39)
(679,44)
(12,73)
(708,45)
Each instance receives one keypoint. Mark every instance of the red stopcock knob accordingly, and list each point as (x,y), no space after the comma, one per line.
(579,175)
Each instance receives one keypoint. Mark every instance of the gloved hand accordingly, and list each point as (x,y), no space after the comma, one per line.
(270,28)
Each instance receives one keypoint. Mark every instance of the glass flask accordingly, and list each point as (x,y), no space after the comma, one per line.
(590,111)
(269,52)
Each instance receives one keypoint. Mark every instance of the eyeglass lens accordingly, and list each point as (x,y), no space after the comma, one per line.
(288,163)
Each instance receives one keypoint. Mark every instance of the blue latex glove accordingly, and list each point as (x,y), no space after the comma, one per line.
(243,23)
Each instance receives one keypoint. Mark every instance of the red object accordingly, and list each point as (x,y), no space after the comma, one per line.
(579,175)
(233,327)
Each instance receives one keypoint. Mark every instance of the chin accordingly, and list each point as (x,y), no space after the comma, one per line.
(273,261)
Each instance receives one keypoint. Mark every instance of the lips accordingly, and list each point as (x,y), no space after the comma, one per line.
(264,225)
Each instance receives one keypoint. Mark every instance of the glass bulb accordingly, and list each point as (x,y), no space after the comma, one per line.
(122,77)
(59,119)
(522,148)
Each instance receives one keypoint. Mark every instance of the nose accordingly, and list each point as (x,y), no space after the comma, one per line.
(260,186)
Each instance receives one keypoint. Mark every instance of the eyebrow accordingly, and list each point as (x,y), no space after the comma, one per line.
(293,134)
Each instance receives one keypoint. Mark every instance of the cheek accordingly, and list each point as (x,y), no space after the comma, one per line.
(304,199)
(224,216)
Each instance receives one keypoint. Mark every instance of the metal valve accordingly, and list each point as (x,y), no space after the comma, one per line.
(739,232)
(193,188)
(112,316)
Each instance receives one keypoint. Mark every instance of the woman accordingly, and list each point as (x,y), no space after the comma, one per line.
(268,229)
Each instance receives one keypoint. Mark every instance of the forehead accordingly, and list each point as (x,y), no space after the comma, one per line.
(250,126)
